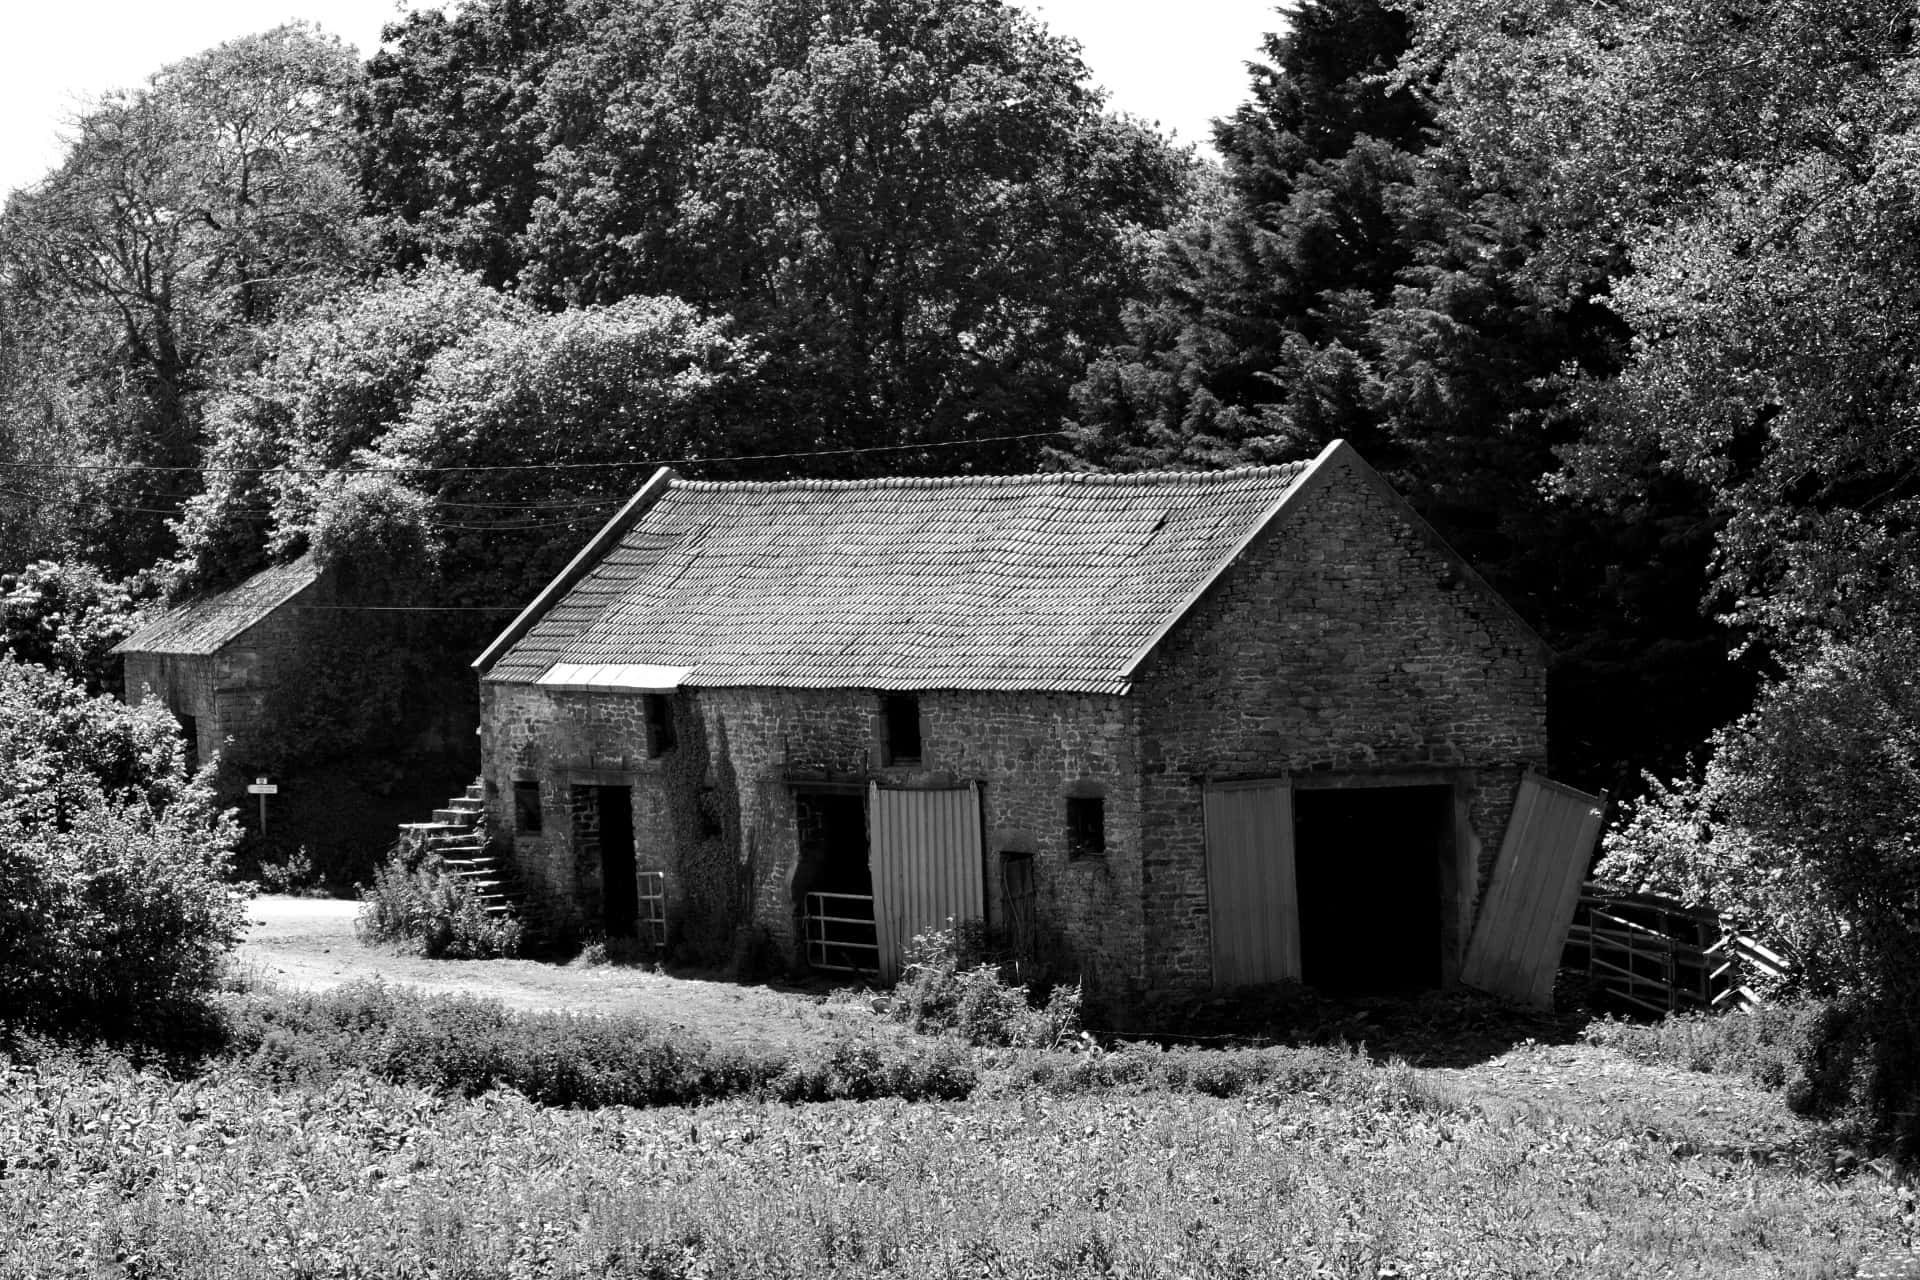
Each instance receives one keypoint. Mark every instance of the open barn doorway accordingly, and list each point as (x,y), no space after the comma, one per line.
(1372,866)
(833,883)
(603,845)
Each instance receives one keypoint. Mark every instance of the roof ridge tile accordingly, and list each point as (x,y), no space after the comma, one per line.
(1035,479)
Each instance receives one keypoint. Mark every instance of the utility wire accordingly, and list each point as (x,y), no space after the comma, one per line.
(535,466)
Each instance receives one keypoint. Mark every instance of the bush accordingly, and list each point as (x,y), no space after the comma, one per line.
(1825,1056)
(115,911)
(417,902)
(67,619)
(1804,828)
(466,1046)
(942,992)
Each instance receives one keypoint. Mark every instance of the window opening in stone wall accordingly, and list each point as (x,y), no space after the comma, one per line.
(526,808)
(659,724)
(190,736)
(903,728)
(833,882)
(1368,866)
(1086,826)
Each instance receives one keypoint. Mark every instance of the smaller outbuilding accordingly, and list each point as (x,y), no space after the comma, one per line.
(216,662)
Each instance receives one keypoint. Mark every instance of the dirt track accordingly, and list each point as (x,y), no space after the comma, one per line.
(308,944)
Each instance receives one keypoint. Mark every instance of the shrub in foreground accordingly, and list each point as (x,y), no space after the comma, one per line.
(945,990)
(415,901)
(1804,828)
(115,911)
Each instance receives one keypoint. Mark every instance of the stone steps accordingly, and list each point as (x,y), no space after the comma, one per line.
(462,849)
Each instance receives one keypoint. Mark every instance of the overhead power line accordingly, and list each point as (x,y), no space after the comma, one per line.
(536,466)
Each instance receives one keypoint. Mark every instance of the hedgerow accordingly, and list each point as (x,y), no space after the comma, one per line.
(466,1046)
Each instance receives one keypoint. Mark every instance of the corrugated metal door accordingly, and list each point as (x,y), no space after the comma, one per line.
(1253,903)
(927,865)
(1522,925)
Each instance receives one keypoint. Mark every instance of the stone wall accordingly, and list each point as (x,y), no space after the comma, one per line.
(718,815)
(1343,643)
(183,683)
(227,692)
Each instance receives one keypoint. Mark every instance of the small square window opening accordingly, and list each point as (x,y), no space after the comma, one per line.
(1086,826)
(526,808)
(659,724)
(903,728)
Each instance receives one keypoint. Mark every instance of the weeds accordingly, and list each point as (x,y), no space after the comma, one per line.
(945,990)
(227,1176)
(463,1046)
(1824,1056)
(417,902)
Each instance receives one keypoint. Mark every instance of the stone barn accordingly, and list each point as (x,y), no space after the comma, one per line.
(1163,732)
(214,662)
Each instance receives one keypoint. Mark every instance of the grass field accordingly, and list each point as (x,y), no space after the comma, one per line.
(364,1131)
(1327,1165)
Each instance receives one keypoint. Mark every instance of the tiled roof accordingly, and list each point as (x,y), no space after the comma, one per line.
(204,626)
(1054,582)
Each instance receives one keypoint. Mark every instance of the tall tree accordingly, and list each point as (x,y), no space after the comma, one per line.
(1355,276)
(448,131)
(184,215)
(1755,165)
(916,210)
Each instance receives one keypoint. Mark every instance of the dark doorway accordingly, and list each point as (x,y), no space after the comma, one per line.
(1369,864)
(190,736)
(832,881)
(619,885)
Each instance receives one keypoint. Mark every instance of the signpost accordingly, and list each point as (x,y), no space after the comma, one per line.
(262,788)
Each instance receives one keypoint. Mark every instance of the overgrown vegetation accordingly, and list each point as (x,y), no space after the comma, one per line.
(416,902)
(1823,1056)
(1328,1172)
(946,987)
(464,1047)
(1803,829)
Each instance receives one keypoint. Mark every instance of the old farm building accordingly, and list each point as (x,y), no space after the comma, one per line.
(1166,732)
(215,662)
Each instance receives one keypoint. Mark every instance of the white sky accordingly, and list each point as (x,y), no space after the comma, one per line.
(1178,65)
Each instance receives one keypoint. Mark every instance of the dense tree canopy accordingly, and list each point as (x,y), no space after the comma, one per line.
(186,214)
(1356,276)
(916,212)
(1748,170)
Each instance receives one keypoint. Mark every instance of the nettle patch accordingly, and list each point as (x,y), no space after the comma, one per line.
(227,1177)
